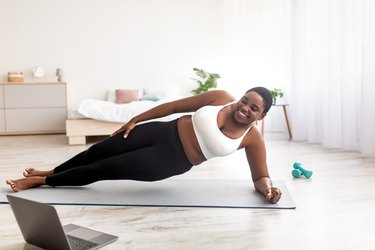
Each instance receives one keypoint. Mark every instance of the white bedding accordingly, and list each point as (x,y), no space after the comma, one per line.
(112,112)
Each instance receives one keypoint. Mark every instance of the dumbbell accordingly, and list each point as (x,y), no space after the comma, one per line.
(299,170)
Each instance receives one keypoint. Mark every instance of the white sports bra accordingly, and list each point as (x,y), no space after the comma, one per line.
(212,141)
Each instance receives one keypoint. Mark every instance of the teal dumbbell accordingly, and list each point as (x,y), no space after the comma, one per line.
(299,170)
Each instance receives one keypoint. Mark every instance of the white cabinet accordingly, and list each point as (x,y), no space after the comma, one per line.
(2,121)
(2,118)
(31,108)
(1,97)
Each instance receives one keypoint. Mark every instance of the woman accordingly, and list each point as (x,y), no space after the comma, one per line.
(157,150)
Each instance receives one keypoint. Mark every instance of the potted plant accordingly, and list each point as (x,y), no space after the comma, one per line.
(276,93)
(206,81)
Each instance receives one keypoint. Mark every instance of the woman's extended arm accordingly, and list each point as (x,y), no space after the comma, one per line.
(189,104)
(256,157)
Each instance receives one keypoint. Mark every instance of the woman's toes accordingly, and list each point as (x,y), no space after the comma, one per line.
(28,172)
(13,185)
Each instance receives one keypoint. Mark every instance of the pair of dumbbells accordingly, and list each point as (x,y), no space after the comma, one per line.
(299,171)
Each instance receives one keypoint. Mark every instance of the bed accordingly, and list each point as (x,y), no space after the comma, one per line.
(103,117)
(77,130)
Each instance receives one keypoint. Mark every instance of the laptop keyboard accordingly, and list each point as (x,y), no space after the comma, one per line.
(80,244)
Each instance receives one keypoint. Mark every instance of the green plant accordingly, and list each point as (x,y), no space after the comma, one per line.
(206,81)
(275,93)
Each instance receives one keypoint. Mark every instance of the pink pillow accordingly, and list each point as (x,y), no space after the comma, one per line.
(126,95)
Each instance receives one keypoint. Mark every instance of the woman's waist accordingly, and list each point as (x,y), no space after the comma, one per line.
(189,140)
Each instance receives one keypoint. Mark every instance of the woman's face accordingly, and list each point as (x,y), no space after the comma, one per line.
(249,108)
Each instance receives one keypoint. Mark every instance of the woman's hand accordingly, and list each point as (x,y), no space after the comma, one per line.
(126,128)
(273,194)
(264,186)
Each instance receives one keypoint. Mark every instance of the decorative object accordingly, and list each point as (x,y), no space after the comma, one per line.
(15,77)
(38,72)
(60,74)
(276,93)
(206,81)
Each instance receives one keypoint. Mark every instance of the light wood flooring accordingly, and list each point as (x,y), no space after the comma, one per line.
(335,208)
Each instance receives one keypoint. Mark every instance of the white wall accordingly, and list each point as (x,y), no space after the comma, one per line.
(103,44)
(367,115)
(258,49)
(107,44)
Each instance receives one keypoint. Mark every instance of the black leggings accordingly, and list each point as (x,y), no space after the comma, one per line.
(151,152)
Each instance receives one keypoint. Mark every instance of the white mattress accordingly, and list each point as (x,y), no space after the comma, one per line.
(112,112)
(74,115)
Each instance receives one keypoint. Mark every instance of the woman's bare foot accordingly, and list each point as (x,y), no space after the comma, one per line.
(29,172)
(26,183)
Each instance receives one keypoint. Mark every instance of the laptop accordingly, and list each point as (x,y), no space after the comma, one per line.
(41,226)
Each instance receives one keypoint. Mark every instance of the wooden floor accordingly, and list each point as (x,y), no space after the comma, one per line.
(335,208)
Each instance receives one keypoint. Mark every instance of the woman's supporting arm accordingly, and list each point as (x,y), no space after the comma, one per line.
(256,157)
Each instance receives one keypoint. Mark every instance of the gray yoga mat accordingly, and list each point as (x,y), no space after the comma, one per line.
(166,193)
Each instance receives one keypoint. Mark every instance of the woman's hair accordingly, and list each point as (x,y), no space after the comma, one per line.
(265,94)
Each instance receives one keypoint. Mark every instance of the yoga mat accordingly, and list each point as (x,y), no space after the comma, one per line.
(165,193)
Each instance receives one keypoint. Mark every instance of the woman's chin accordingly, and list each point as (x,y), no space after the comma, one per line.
(242,119)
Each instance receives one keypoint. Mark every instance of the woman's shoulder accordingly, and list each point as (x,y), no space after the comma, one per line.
(253,137)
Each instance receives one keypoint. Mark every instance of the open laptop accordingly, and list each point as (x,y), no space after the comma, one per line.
(41,226)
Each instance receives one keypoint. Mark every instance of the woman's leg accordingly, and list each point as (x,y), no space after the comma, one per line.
(141,136)
(163,159)
(135,165)
(79,159)
(143,164)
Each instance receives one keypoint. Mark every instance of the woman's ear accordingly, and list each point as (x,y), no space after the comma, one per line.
(262,116)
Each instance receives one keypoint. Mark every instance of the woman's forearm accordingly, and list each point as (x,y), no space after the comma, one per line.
(185,105)
(162,110)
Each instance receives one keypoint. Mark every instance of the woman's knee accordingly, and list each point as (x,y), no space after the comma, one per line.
(101,149)
(95,151)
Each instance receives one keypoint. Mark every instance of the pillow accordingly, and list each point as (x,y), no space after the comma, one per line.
(126,95)
(111,95)
(150,97)
(153,92)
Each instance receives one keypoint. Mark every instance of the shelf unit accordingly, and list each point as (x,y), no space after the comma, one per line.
(32,107)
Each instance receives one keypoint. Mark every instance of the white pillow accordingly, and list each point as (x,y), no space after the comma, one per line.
(111,95)
(161,92)
(109,111)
